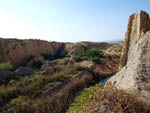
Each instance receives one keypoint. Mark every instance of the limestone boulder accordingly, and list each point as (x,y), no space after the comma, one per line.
(87,64)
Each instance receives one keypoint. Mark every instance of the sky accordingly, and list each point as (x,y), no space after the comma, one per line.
(68,20)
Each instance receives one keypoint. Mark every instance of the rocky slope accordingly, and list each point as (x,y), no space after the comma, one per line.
(61,78)
(134,68)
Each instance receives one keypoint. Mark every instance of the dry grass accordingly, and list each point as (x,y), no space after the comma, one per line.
(32,86)
(120,101)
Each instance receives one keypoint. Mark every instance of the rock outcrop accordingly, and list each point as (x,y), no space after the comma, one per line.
(77,81)
(17,51)
(134,69)
(138,25)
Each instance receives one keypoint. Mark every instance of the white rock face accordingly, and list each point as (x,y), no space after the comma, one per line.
(134,72)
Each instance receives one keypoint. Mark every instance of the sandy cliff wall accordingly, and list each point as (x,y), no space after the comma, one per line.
(17,50)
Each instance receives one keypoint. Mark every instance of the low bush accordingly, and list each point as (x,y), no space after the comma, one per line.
(6,66)
(93,54)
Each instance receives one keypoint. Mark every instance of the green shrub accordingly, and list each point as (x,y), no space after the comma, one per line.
(6,66)
(93,54)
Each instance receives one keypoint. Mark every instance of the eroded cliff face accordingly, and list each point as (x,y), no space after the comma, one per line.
(17,50)
(138,25)
(134,69)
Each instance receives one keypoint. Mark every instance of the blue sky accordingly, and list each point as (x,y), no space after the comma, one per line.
(68,20)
